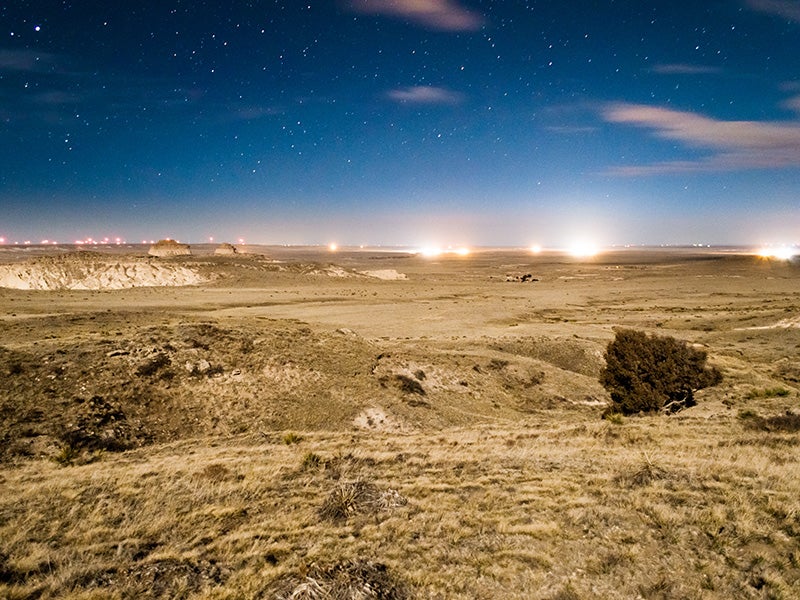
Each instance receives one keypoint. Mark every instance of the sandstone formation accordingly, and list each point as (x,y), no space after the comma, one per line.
(168,247)
(88,271)
(226,250)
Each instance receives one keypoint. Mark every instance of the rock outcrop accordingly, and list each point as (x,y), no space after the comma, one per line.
(89,271)
(226,250)
(168,247)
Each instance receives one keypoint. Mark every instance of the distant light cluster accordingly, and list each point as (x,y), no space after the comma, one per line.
(89,241)
(103,242)
(779,253)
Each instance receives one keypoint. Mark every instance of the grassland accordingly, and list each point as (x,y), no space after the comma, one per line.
(284,432)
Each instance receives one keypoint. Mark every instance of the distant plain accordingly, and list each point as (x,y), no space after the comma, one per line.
(189,441)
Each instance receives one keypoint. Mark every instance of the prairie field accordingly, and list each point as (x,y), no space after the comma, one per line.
(368,423)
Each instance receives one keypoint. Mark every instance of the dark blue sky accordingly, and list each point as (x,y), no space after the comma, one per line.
(401,121)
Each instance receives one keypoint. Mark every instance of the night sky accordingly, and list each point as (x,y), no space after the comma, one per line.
(401,122)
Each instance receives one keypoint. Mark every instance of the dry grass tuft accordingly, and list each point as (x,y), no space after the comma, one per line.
(348,499)
(347,580)
(646,474)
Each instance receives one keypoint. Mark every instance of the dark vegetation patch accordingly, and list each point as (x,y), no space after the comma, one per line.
(788,371)
(789,422)
(166,578)
(650,373)
(346,580)
(771,392)
(97,424)
(408,385)
(110,383)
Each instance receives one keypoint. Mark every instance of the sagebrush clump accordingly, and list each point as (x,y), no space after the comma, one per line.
(650,373)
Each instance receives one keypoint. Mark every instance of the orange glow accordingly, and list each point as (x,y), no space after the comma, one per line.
(782,253)
(583,250)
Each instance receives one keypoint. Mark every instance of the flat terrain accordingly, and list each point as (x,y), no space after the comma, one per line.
(308,424)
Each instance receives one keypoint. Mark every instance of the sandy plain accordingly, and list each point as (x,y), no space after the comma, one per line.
(196,441)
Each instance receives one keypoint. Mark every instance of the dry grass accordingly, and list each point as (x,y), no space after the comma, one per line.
(546,509)
(214,452)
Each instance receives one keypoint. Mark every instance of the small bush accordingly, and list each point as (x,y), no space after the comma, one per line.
(292,438)
(650,373)
(776,392)
(312,461)
(67,455)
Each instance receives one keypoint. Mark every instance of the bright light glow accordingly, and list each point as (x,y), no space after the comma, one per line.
(434,251)
(782,253)
(536,249)
(2,240)
(333,247)
(430,251)
(583,250)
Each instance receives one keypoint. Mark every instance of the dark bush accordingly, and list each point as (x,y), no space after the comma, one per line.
(650,373)
(97,424)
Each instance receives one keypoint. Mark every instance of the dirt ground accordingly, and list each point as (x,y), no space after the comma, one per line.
(465,385)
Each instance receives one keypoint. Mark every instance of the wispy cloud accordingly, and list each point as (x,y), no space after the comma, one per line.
(424,94)
(684,69)
(731,145)
(443,15)
(788,9)
(27,61)
(793,104)
(571,129)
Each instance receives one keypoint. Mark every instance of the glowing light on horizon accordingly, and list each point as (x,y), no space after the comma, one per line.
(333,247)
(434,251)
(782,253)
(583,250)
(536,249)
(430,251)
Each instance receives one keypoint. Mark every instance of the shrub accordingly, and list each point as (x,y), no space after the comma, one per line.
(312,461)
(292,438)
(650,373)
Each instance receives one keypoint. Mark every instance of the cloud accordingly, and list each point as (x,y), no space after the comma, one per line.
(28,61)
(571,129)
(684,69)
(793,104)
(424,94)
(58,98)
(788,9)
(731,145)
(443,15)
